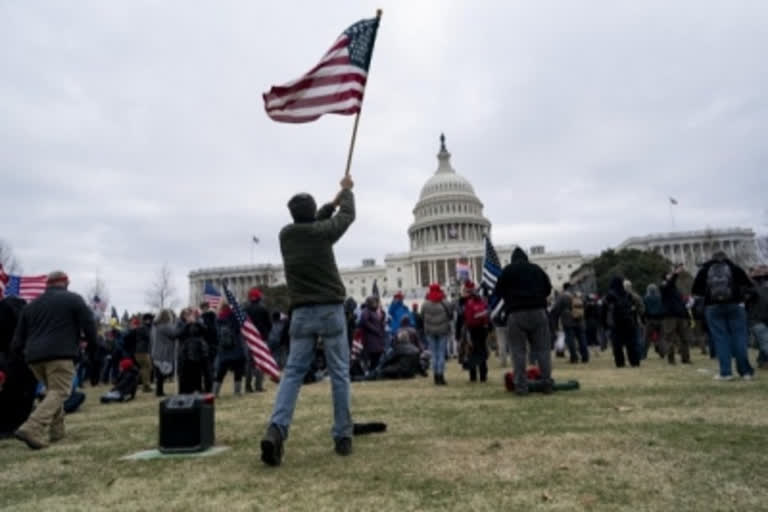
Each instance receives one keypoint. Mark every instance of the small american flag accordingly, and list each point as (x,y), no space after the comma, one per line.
(25,287)
(334,86)
(491,267)
(211,295)
(260,353)
(357,345)
(462,271)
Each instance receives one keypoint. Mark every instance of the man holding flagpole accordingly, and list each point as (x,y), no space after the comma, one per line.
(335,85)
(317,295)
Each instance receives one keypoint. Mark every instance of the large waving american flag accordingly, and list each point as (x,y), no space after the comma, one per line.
(26,287)
(334,86)
(260,353)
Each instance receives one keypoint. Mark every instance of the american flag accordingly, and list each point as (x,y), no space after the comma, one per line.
(491,267)
(260,353)
(25,287)
(211,295)
(334,86)
(462,270)
(357,345)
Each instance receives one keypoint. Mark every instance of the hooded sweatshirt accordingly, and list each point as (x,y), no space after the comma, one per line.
(523,285)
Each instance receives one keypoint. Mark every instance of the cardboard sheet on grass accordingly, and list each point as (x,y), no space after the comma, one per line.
(156,454)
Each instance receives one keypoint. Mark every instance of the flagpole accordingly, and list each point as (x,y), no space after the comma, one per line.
(357,116)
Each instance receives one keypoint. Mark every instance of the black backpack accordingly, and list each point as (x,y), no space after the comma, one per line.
(226,336)
(720,282)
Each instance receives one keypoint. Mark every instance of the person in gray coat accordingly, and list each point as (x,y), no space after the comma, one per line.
(162,348)
(437,328)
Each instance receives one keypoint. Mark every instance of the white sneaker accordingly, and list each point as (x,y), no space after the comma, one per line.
(748,376)
(723,377)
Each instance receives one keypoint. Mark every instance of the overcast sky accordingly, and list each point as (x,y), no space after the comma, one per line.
(133,133)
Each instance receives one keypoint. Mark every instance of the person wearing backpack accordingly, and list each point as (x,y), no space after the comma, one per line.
(569,309)
(476,319)
(723,284)
(621,313)
(654,318)
(677,321)
(231,349)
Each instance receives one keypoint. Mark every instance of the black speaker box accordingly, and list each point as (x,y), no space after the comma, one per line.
(186,423)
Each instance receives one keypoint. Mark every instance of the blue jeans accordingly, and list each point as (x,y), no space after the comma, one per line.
(308,323)
(577,332)
(760,330)
(728,329)
(438,346)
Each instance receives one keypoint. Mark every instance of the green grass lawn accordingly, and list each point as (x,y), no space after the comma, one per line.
(661,438)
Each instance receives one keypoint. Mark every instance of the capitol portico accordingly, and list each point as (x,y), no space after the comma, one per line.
(449,227)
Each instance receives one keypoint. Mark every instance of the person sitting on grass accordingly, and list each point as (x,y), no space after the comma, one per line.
(126,385)
(403,359)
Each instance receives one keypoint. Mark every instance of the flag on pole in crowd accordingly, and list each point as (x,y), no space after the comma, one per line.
(211,295)
(491,267)
(462,270)
(334,86)
(357,346)
(25,287)
(375,289)
(260,353)
(672,200)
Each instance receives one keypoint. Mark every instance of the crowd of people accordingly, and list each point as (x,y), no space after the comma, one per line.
(52,346)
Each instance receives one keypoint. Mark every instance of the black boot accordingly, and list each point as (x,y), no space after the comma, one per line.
(437,379)
(272,447)
(442,380)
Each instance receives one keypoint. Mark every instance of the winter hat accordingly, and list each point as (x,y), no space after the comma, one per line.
(435,293)
(399,296)
(126,364)
(469,286)
(225,311)
(303,208)
(254,294)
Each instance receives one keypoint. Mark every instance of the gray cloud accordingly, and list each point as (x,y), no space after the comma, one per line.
(133,134)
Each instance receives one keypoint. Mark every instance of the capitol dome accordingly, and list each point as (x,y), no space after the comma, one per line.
(448,212)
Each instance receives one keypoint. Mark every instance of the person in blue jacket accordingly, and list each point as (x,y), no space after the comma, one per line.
(398,310)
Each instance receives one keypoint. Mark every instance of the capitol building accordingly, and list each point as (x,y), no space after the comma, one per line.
(448,229)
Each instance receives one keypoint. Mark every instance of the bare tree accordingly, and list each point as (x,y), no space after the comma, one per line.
(162,292)
(8,259)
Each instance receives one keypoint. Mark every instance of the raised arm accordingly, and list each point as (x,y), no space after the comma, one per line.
(335,226)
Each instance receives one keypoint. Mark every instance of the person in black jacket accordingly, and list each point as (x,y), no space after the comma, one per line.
(208,319)
(17,395)
(261,318)
(524,288)
(724,286)
(677,321)
(49,333)
(622,317)
(194,370)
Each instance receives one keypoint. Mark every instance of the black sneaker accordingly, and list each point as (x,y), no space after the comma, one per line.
(272,447)
(344,446)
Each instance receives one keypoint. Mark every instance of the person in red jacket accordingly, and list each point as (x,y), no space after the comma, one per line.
(476,320)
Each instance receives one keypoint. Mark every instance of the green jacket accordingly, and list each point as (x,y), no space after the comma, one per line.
(307,247)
